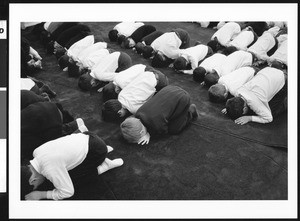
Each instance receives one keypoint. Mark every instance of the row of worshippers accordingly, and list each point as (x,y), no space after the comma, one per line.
(48,131)
(233,45)
(252,71)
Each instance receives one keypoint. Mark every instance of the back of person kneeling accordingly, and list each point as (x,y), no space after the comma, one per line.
(265,94)
(68,162)
(167,112)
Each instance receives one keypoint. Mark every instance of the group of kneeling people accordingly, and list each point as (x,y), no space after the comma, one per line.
(140,96)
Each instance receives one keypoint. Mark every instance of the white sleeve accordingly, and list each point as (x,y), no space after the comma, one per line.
(62,182)
(264,114)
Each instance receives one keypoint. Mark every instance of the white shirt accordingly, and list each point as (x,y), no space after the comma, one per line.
(27,84)
(274,30)
(281,53)
(106,68)
(123,78)
(136,93)
(260,90)
(168,44)
(80,45)
(194,54)
(90,49)
(227,32)
(234,61)
(236,79)
(214,61)
(55,158)
(127,28)
(94,58)
(263,44)
(242,40)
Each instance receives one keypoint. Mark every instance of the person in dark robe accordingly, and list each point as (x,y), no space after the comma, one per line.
(138,35)
(167,112)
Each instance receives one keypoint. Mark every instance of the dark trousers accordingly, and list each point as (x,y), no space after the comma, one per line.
(76,38)
(151,37)
(141,32)
(124,62)
(66,35)
(182,116)
(62,28)
(277,103)
(87,170)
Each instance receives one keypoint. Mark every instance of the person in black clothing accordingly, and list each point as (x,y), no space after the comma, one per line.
(167,112)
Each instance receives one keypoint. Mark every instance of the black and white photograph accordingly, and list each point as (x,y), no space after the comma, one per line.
(152,111)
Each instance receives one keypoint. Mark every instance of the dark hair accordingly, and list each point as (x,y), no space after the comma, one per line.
(120,39)
(159,61)
(139,47)
(229,50)
(25,176)
(180,63)
(234,107)
(147,51)
(216,93)
(60,52)
(110,110)
(213,44)
(211,79)
(113,35)
(126,43)
(50,47)
(63,61)
(84,82)
(73,69)
(109,92)
(199,74)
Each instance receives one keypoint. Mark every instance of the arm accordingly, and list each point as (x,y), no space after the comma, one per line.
(36,195)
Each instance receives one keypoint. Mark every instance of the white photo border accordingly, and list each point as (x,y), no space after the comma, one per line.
(149,209)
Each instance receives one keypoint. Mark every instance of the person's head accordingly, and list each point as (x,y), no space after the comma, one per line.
(113,35)
(59,52)
(180,63)
(147,51)
(110,110)
(139,47)
(199,74)
(73,69)
(236,107)
(211,79)
(278,65)
(30,179)
(63,61)
(84,82)
(162,80)
(214,45)
(120,39)
(217,93)
(128,42)
(228,50)
(132,129)
(159,60)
